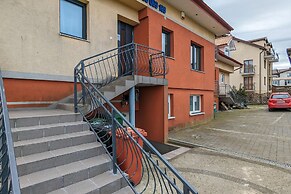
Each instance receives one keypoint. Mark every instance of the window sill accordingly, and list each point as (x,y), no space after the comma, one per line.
(196,113)
(198,71)
(74,37)
(172,58)
(171,118)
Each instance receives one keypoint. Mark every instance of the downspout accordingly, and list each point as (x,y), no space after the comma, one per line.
(260,76)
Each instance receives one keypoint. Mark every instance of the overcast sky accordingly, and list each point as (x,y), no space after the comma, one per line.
(253,19)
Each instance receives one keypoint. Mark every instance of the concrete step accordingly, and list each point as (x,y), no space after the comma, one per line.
(66,106)
(26,121)
(105,183)
(34,146)
(71,107)
(125,190)
(62,176)
(40,131)
(41,161)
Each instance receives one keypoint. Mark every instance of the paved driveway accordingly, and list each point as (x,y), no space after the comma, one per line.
(252,133)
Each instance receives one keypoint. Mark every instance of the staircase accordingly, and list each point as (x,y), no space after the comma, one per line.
(57,153)
(110,91)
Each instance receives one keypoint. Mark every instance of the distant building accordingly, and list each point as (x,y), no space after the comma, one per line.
(282,77)
(257,57)
(224,66)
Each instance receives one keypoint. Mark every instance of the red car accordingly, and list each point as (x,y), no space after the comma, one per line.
(279,100)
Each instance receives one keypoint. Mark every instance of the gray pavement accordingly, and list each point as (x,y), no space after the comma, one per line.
(252,133)
(212,172)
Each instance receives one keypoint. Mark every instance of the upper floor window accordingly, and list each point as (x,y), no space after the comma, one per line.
(166,42)
(196,56)
(248,66)
(73,18)
(226,51)
(222,78)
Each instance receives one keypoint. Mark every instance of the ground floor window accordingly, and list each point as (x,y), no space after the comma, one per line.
(170,106)
(248,83)
(195,104)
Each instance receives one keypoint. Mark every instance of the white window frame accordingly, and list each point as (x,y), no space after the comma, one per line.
(194,111)
(196,61)
(170,111)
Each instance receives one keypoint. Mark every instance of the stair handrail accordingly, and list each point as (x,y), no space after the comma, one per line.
(110,132)
(8,175)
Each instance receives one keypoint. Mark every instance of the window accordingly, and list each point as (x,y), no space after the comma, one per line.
(276,83)
(170,106)
(226,51)
(166,42)
(248,66)
(265,81)
(73,18)
(248,83)
(195,104)
(196,57)
(222,78)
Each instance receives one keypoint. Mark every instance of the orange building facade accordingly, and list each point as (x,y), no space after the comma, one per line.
(183,81)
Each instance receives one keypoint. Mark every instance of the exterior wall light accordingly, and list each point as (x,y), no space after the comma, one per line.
(183,15)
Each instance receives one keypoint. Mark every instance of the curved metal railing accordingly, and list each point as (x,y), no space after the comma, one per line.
(130,59)
(144,171)
(8,174)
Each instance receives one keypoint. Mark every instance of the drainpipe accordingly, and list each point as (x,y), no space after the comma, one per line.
(132,106)
(260,77)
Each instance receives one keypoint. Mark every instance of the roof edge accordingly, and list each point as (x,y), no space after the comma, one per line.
(212,13)
(229,58)
(249,43)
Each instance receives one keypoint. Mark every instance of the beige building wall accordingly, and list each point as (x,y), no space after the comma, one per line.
(31,42)
(247,52)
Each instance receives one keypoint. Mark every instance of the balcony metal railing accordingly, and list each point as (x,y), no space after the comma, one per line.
(249,70)
(144,171)
(9,182)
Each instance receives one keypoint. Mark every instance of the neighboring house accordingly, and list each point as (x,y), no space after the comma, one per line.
(257,57)
(282,77)
(42,48)
(224,67)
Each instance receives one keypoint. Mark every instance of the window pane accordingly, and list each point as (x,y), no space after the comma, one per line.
(197,103)
(196,57)
(164,42)
(191,103)
(71,19)
(169,105)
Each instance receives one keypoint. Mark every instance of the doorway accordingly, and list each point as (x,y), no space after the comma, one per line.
(126,54)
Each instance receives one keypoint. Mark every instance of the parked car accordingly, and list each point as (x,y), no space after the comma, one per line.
(281,100)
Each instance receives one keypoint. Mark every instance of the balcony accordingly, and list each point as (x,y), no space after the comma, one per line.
(248,70)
